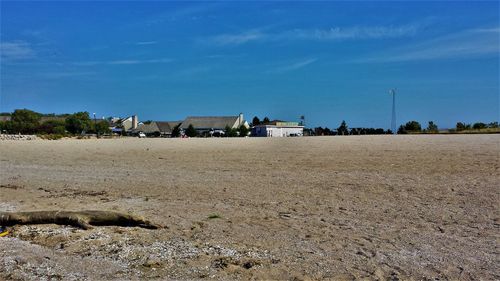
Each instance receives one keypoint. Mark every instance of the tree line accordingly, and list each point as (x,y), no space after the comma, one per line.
(413,127)
(25,121)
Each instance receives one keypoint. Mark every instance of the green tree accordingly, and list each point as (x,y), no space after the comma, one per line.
(479,126)
(413,126)
(230,132)
(493,125)
(265,121)
(432,128)
(243,131)
(402,130)
(176,132)
(78,122)
(102,127)
(191,132)
(25,121)
(461,126)
(343,129)
(255,121)
(6,127)
(53,127)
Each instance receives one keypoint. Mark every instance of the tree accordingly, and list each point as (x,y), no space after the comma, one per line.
(78,122)
(102,127)
(191,132)
(461,126)
(432,128)
(176,132)
(255,121)
(243,131)
(265,121)
(413,126)
(402,130)
(479,126)
(25,121)
(230,132)
(53,127)
(493,125)
(343,129)
(5,127)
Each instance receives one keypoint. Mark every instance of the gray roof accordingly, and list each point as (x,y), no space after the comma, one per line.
(210,122)
(146,128)
(164,127)
(167,126)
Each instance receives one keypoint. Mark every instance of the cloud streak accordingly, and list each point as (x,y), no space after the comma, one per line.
(293,66)
(465,44)
(143,43)
(122,62)
(331,34)
(237,39)
(16,50)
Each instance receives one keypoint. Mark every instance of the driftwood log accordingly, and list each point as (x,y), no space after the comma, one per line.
(83,219)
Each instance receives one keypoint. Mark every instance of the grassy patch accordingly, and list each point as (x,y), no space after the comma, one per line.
(214,216)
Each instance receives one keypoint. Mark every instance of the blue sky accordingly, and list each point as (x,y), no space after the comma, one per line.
(328,61)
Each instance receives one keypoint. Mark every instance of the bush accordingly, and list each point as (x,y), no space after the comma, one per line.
(52,127)
(78,123)
(432,128)
(176,132)
(343,129)
(479,126)
(191,132)
(230,132)
(25,121)
(102,127)
(243,131)
(51,136)
(413,126)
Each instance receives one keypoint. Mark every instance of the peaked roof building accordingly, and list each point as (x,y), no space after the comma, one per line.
(206,123)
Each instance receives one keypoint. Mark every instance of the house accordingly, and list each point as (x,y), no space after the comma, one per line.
(278,129)
(156,128)
(214,124)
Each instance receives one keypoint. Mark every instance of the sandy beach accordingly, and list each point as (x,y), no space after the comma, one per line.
(312,208)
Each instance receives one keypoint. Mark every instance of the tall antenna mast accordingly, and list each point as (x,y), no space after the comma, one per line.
(393,120)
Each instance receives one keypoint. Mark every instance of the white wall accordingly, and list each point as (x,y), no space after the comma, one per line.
(272,131)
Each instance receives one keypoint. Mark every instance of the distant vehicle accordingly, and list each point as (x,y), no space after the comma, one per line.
(141,135)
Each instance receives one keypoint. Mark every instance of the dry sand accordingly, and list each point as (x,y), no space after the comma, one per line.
(341,208)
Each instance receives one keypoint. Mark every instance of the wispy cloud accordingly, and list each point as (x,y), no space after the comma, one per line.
(464,44)
(330,34)
(122,62)
(16,50)
(293,66)
(187,12)
(237,39)
(340,33)
(146,43)
(57,75)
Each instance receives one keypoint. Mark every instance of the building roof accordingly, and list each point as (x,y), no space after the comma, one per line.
(167,126)
(211,122)
(146,128)
(163,127)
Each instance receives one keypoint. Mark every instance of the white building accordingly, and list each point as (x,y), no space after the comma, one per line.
(278,129)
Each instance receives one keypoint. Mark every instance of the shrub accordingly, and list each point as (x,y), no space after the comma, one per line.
(78,122)
(191,132)
(413,126)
